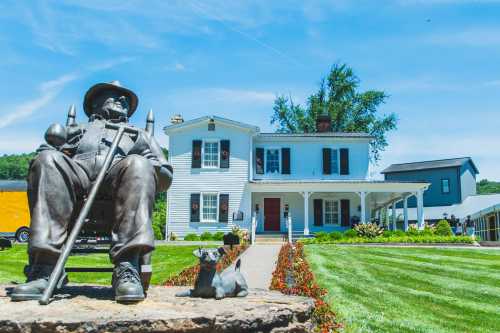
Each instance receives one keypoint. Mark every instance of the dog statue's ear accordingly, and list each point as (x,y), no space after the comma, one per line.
(197,253)
(221,251)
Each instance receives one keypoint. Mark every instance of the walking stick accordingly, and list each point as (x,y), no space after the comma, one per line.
(70,242)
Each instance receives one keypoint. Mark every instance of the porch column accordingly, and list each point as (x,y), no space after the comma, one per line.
(420,209)
(306,212)
(405,212)
(393,215)
(362,196)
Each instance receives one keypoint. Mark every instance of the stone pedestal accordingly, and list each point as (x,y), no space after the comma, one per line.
(81,308)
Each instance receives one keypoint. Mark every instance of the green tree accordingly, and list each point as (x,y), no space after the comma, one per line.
(14,167)
(349,109)
(486,186)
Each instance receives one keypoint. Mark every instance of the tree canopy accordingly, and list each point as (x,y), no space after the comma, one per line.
(349,109)
(14,167)
(486,186)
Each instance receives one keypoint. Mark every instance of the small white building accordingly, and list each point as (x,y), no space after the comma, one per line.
(226,172)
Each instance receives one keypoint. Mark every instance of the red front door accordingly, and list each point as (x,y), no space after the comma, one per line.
(271,214)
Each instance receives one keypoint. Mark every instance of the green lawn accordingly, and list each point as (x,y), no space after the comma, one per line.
(380,289)
(167,260)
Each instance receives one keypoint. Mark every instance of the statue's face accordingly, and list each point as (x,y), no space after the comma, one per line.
(111,105)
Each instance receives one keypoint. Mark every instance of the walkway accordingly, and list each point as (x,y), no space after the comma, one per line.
(258,263)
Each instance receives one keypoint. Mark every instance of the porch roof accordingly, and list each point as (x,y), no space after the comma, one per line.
(319,185)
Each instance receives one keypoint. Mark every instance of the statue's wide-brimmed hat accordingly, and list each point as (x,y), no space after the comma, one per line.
(96,89)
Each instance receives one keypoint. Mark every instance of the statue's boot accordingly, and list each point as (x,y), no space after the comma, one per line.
(37,282)
(127,282)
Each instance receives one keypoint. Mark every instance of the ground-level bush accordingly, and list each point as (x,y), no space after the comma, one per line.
(191,237)
(369,230)
(350,233)
(206,236)
(407,239)
(443,228)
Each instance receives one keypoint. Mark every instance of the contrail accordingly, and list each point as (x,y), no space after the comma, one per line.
(261,43)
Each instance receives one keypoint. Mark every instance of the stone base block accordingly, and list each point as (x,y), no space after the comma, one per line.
(80,308)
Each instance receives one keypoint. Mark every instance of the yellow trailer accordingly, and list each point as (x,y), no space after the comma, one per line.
(14,211)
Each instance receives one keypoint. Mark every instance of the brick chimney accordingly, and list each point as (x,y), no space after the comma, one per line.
(323,123)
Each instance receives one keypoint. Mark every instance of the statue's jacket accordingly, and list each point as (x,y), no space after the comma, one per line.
(88,144)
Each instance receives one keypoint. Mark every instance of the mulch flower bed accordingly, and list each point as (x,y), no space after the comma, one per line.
(293,276)
(187,276)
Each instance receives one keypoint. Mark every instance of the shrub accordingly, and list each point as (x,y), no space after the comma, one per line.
(399,233)
(218,236)
(158,232)
(351,233)
(412,230)
(206,236)
(322,236)
(368,230)
(388,233)
(335,235)
(191,237)
(242,234)
(429,229)
(443,228)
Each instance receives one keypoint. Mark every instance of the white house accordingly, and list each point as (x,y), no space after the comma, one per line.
(226,171)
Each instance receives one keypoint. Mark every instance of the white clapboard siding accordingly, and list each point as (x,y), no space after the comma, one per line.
(306,157)
(232,181)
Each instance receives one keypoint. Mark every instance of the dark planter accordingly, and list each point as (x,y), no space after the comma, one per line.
(231,239)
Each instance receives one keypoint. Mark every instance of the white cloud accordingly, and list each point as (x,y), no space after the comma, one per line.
(51,89)
(48,91)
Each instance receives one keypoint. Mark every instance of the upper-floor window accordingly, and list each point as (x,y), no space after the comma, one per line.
(272,161)
(210,154)
(335,161)
(445,186)
(332,212)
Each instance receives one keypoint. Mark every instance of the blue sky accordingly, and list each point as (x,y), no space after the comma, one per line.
(437,59)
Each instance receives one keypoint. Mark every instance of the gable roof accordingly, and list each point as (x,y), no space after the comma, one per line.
(217,119)
(434,164)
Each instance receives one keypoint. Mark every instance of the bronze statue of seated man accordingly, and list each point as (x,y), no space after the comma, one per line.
(64,170)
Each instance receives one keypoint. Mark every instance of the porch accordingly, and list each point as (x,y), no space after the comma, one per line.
(315,206)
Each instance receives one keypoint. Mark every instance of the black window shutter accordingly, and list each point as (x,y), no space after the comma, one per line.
(318,212)
(345,214)
(223,208)
(285,161)
(195,207)
(344,161)
(259,161)
(327,161)
(196,154)
(224,154)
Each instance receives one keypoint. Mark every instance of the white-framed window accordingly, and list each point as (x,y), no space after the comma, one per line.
(210,153)
(209,207)
(331,212)
(272,159)
(335,161)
